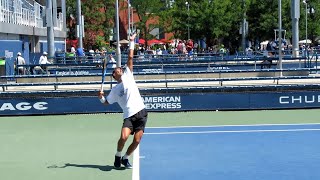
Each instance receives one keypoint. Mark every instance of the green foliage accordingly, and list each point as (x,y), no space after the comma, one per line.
(98,15)
(148,13)
(217,21)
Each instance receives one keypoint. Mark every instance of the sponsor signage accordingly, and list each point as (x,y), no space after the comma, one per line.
(167,102)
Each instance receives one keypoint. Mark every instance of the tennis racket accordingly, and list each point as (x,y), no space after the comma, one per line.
(104,69)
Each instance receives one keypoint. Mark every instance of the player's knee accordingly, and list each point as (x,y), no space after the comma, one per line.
(123,138)
(137,140)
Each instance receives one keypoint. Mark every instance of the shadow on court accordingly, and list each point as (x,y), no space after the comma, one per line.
(92,166)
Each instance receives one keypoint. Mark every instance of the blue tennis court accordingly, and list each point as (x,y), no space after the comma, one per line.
(242,152)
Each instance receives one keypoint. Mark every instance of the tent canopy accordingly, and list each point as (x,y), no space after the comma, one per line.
(308,41)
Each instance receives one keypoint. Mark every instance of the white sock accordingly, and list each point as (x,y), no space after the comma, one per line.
(125,156)
(118,153)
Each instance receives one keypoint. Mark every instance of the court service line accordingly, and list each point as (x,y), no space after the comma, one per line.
(236,125)
(136,164)
(240,131)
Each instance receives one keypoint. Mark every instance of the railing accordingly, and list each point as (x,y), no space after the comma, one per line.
(23,13)
(93,81)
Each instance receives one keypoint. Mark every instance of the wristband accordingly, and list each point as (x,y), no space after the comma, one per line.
(103,99)
(131,45)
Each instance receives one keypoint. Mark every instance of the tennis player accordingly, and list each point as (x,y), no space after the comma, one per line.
(127,95)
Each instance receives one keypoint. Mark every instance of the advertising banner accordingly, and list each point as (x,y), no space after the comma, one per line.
(166,102)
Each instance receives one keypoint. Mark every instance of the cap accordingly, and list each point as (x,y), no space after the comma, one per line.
(45,53)
(19,54)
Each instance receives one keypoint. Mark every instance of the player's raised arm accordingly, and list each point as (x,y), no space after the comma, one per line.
(131,52)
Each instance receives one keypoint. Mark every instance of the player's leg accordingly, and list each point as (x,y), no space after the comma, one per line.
(139,123)
(135,142)
(125,133)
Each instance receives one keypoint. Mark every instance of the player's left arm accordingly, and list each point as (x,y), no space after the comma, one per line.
(131,52)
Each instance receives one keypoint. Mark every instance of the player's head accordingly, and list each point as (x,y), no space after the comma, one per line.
(117,73)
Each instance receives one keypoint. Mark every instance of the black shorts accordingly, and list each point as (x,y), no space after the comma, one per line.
(136,122)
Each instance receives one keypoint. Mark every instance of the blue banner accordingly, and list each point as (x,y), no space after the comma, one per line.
(167,102)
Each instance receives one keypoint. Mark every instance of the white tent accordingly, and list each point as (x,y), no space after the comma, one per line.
(123,41)
(308,41)
(264,43)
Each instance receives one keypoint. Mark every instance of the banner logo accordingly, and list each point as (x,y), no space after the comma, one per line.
(311,99)
(23,106)
(162,102)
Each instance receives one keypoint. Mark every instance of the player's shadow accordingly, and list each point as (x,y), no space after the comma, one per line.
(92,166)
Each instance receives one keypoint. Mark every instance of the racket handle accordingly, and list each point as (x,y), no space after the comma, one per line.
(101,88)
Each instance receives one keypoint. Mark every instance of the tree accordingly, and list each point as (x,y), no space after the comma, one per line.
(210,20)
(98,15)
(148,13)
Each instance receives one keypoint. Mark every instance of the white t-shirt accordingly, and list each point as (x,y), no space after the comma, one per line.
(127,95)
(44,60)
(20,61)
(112,63)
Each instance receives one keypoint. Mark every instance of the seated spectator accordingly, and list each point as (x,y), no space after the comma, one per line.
(73,50)
(20,61)
(43,61)
(112,63)
(91,56)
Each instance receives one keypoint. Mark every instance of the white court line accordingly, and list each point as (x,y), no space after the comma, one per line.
(239,125)
(136,164)
(241,131)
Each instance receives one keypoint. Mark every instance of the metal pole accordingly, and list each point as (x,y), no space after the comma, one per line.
(129,19)
(132,18)
(63,8)
(50,29)
(79,23)
(280,37)
(187,3)
(118,52)
(306,28)
(244,28)
(295,9)
(188,21)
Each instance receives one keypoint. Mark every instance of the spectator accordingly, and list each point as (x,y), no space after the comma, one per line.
(20,70)
(222,51)
(80,54)
(91,56)
(43,61)
(189,47)
(271,48)
(73,50)
(112,63)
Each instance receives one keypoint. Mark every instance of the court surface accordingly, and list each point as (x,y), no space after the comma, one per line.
(261,152)
(249,145)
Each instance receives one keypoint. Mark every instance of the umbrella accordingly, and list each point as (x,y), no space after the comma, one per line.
(154,41)
(308,41)
(123,41)
(142,41)
(166,41)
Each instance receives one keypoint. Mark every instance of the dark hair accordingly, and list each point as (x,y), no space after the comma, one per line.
(114,70)
(113,73)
